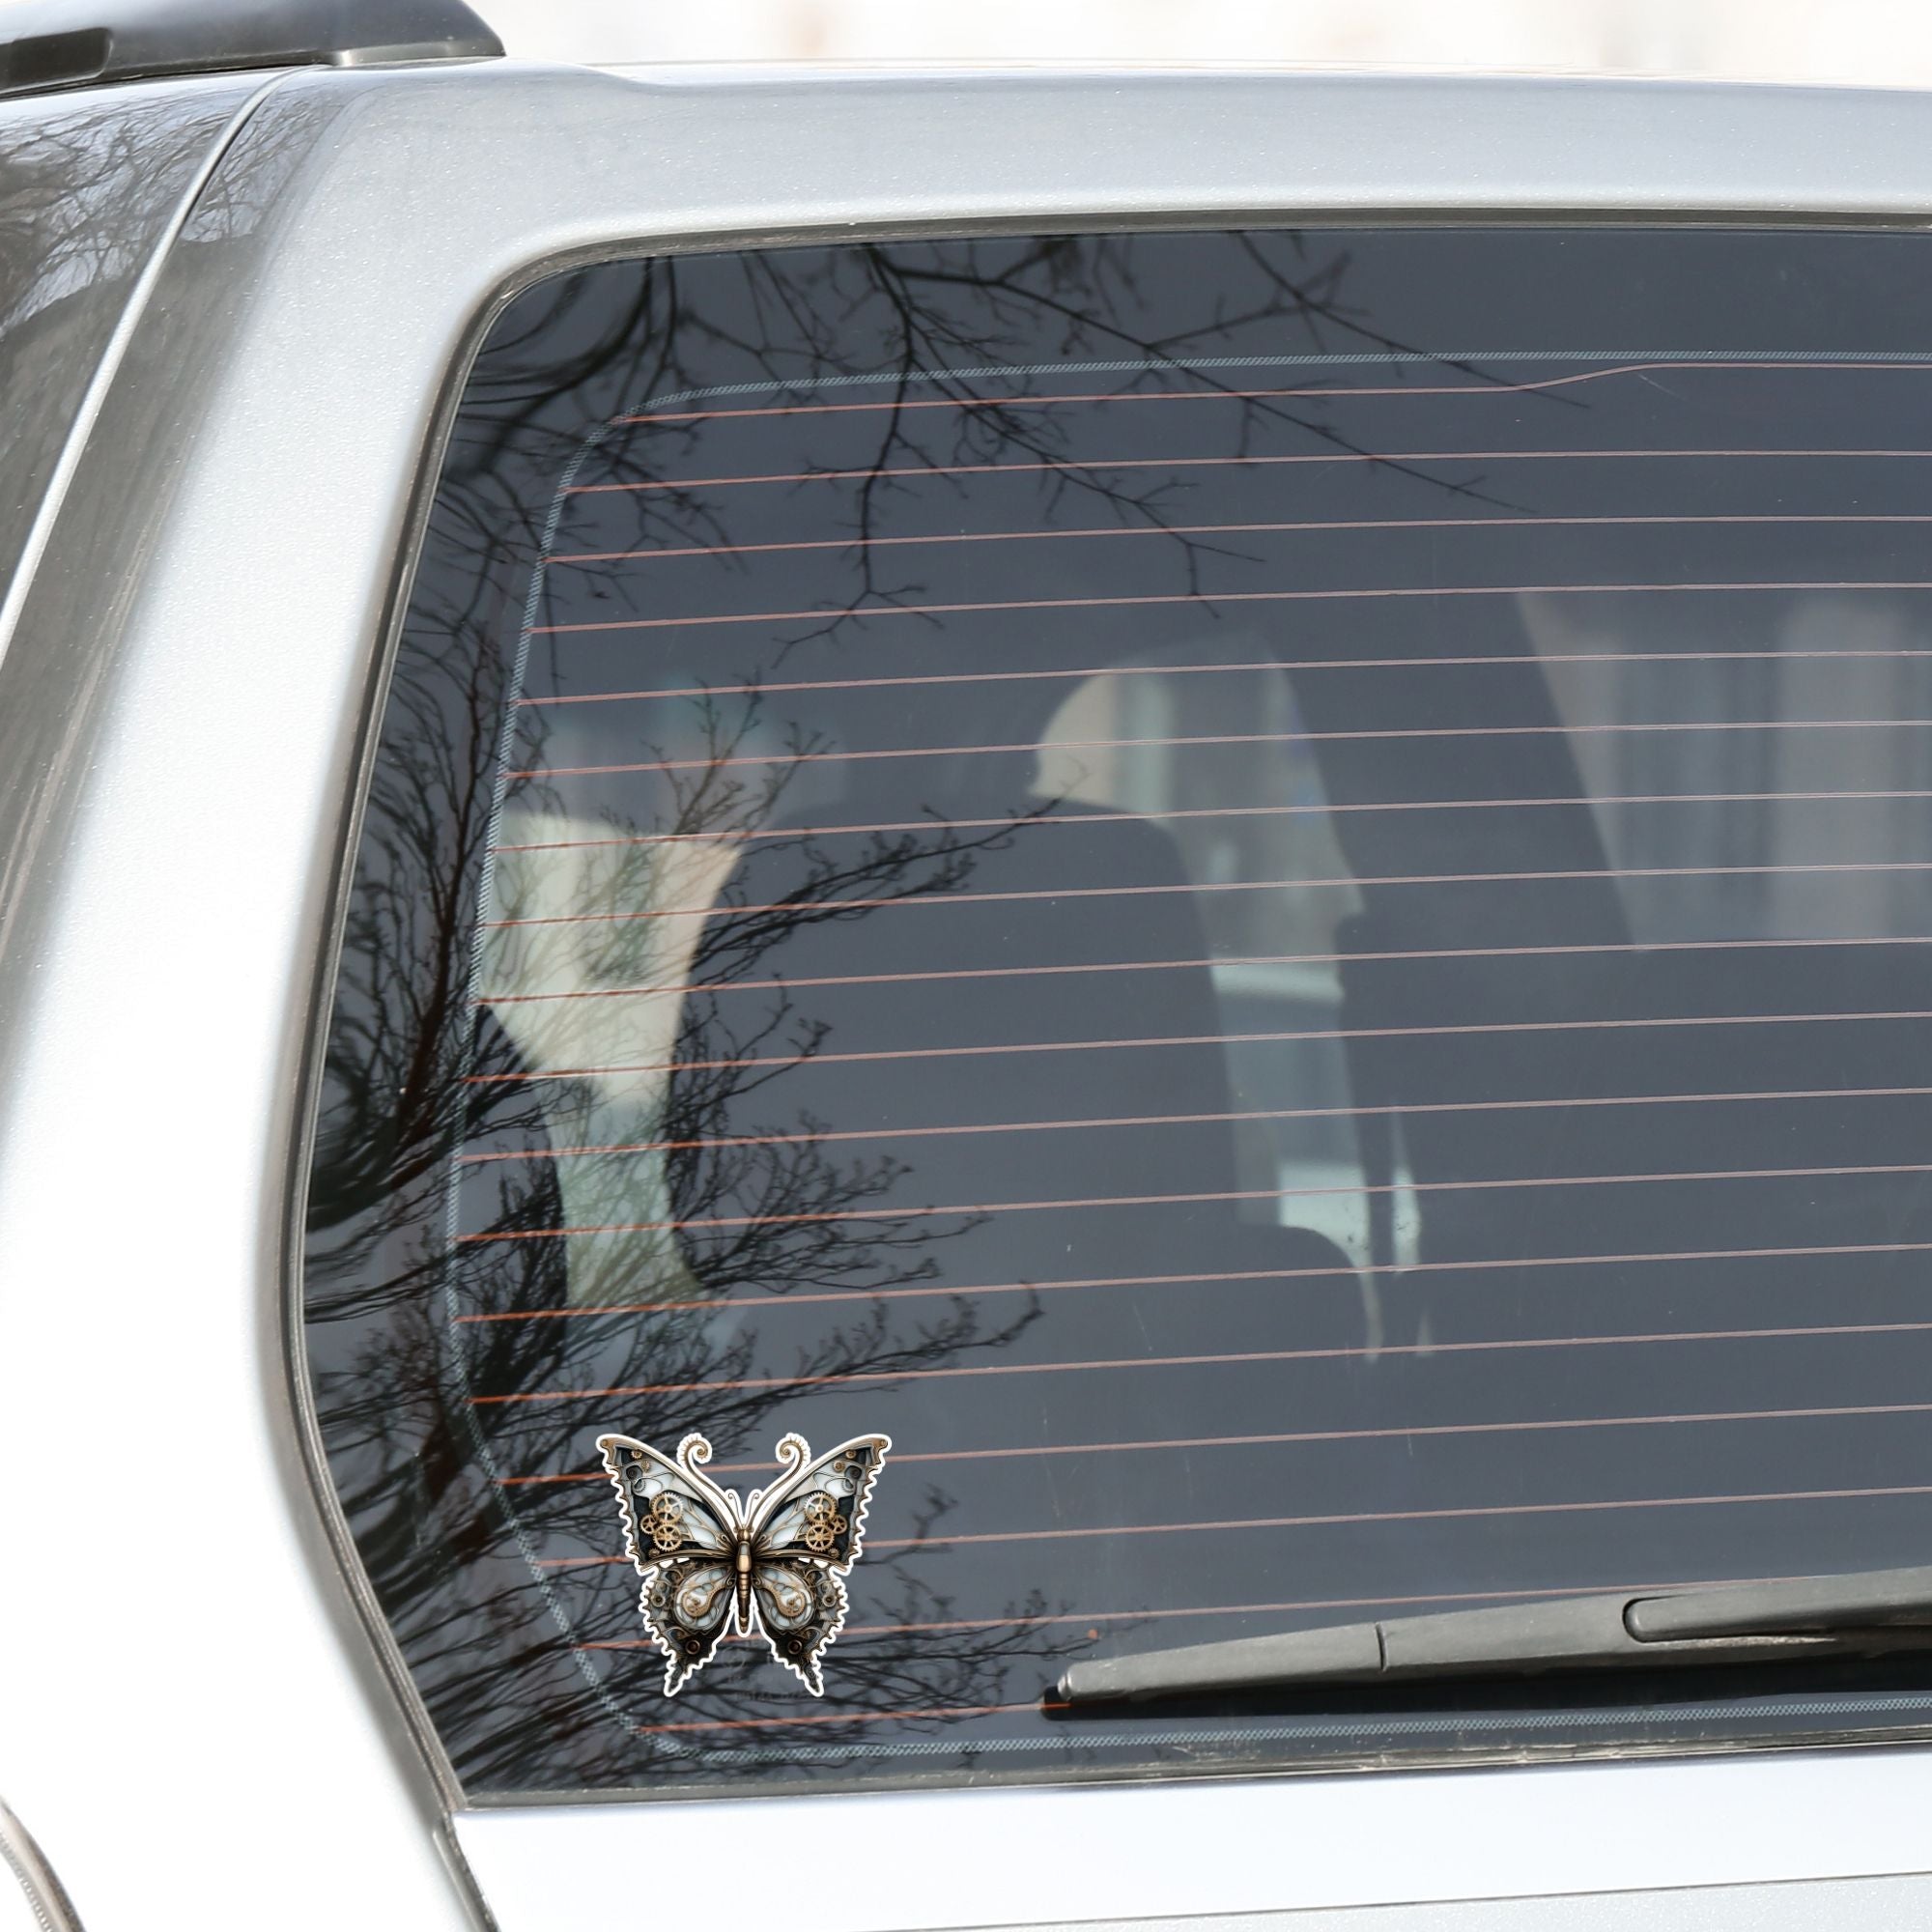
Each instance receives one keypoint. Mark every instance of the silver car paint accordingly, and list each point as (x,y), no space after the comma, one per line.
(193,1717)
(91,190)
(1204,1853)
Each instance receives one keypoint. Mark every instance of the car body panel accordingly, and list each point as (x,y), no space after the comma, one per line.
(90,188)
(185,713)
(1139,1854)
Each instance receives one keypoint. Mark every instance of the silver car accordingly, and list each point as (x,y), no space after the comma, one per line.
(1014,977)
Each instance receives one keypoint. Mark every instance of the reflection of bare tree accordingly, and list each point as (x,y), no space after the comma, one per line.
(83,193)
(694,1375)
(448,1375)
(926,322)
(891,313)
(64,172)
(1081,289)
(411,1078)
(696,983)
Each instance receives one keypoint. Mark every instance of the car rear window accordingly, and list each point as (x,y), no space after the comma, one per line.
(1264,894)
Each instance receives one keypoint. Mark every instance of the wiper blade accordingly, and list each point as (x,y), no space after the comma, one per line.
(1868,1612)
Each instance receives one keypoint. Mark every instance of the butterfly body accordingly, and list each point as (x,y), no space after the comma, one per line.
(744,1570)
(771,1566)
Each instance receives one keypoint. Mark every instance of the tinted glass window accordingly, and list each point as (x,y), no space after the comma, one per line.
(1264,894)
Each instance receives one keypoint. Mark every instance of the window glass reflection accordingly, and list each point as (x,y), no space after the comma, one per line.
(1262,900)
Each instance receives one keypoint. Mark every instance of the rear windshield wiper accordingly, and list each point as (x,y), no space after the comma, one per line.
(1871,1611)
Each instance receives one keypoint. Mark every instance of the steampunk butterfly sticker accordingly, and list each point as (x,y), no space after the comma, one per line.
(771,1566)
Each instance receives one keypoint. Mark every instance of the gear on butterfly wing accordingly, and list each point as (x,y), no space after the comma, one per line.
(667,1522)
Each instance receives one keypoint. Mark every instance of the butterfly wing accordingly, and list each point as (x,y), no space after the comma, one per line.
(681,1532)
(801,1609)
(806,1531)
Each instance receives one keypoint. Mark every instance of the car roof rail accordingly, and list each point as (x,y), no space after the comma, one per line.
(50,45)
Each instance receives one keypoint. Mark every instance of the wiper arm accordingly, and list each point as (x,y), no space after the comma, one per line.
(1873,1610)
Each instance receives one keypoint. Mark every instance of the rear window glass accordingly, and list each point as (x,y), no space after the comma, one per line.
(1264,894)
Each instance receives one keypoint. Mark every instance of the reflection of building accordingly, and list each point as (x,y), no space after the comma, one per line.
(603,998)
(1849,658)
(1700,850)
(1245,814)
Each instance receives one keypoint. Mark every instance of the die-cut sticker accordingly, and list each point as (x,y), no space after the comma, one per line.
(772,1565)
